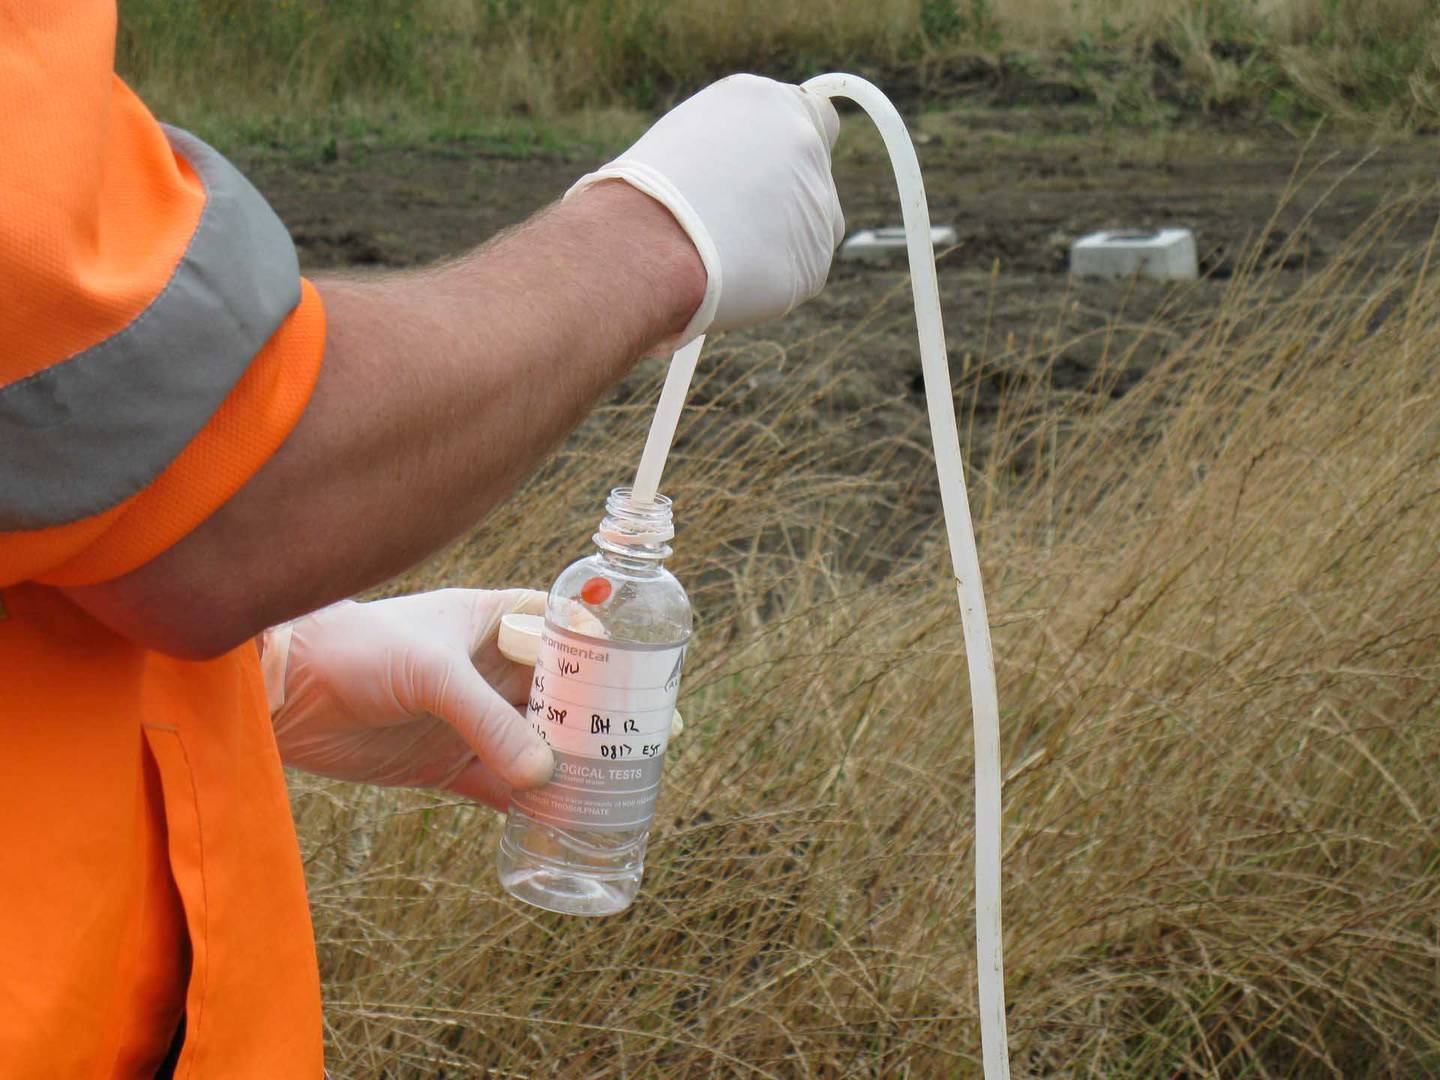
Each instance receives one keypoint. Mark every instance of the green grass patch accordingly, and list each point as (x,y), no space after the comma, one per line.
(308,70)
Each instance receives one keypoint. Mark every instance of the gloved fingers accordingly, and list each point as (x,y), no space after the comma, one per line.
(827,121)
(478,782)
(488,607)
(510,680)
(494,729)
(822,112)
(512,683)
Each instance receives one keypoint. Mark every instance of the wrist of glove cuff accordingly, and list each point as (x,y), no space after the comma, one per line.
(274,663)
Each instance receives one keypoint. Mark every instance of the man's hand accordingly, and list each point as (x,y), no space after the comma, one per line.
(409,692)
(744,166)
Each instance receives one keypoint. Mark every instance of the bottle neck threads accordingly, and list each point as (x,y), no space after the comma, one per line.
(632,530)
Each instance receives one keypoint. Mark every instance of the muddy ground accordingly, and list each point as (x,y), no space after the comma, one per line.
(1018,186)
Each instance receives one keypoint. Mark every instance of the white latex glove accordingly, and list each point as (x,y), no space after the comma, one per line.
(408,692)
(744,166)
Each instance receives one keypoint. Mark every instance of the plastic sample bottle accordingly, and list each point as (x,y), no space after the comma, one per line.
(603,694)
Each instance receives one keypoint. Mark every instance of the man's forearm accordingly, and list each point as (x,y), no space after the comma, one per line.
(440,390)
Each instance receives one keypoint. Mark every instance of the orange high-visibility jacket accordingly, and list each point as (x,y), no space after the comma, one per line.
(156,345)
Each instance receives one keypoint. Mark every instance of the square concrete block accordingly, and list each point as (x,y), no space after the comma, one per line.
(1168,255)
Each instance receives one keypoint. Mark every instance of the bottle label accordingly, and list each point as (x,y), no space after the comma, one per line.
(605,709)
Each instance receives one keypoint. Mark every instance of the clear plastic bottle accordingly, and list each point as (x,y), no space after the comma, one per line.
(616,627)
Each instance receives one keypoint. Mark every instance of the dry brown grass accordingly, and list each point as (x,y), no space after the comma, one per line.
(1217,611)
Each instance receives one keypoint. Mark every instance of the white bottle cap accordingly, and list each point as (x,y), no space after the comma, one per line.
(520,637)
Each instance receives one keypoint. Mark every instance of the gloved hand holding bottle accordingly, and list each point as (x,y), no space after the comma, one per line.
(407,692)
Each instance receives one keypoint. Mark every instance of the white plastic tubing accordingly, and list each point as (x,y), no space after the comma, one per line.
(960,531)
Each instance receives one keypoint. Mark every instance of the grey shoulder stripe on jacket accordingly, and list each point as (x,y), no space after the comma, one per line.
(88,432)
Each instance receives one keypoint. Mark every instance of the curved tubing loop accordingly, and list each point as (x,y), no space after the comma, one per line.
(960,531)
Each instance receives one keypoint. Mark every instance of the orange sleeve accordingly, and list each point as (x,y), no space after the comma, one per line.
(250,426)
(102,250)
